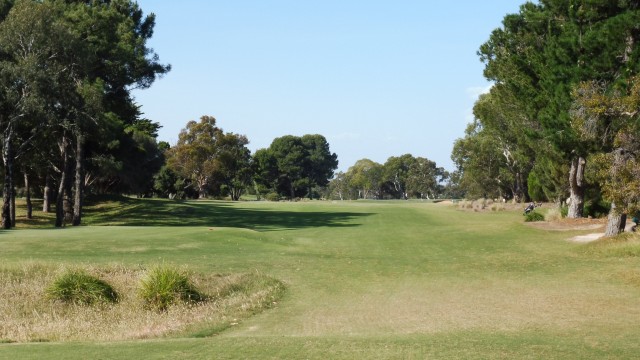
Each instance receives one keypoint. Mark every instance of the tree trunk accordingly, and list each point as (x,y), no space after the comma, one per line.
(79,183)
(68,190)
(13,204)
(27,187)
(576,187)
(7,191)
(63,186)
(46,202)
(615,222)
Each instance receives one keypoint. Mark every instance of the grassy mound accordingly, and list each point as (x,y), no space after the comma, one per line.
(164,286)
(78,287)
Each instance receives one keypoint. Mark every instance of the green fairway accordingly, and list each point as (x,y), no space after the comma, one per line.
(363,279)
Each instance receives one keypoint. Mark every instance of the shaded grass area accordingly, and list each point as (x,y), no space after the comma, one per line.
(260,216)
(255,216)
(390,280)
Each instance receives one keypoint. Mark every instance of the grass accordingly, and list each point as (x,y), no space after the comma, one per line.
(364,279)
(78,287)
(164,286)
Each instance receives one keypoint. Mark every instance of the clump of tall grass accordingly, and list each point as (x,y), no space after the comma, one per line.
(164,286)
(498,207)
(553,214)
(78,287)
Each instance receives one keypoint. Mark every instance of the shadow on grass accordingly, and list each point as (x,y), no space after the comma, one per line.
(154,212)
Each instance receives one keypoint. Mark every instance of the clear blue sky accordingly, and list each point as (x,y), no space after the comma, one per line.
(376,78)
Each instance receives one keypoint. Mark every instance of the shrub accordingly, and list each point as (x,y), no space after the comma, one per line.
(78,287)
(164,286)
(534,216)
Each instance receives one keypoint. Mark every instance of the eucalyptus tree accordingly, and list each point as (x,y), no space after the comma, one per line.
(367,176)
(396,173)
(480,164)
(424,178)
(234,168)
(195,155)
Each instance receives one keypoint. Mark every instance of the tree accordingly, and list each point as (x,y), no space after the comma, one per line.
(292,166)
(396,173)
(209,157)
(367,176)
(424,178)
(479,162)
(320,162)
(609,118)
(234,164)
(195,155)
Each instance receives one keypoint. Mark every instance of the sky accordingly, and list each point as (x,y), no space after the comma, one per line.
(376,78)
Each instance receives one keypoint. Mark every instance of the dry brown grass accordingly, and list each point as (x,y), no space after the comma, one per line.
(29,316)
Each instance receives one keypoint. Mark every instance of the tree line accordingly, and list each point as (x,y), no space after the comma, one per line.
(209,162)
(400,177)
(561,120)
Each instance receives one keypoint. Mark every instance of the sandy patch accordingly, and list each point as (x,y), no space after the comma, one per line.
(587,238)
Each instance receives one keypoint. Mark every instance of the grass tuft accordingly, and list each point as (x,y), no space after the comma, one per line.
(164,286)
(80,288)
(554,214)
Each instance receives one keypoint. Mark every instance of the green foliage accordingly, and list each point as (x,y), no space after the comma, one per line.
(533,216)
(164,286)
(78,287)
(293,166)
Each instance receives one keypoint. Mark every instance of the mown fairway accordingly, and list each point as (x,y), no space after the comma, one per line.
(364,280)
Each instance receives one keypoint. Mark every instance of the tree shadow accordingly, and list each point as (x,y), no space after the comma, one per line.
(154,212)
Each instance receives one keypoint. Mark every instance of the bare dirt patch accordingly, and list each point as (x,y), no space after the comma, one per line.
(596,225)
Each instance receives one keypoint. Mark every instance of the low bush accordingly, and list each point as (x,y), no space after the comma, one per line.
(78,287)
(164,286)
(533,216)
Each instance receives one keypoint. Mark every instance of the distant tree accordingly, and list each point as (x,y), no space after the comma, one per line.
(320,162)
(396,173)
(195,155)
(292,166)
(367,177)
(234,169)
(424,178)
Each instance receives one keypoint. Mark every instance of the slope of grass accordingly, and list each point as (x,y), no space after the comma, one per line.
(364,279)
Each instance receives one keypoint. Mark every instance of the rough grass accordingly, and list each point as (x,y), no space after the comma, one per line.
(30,316)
